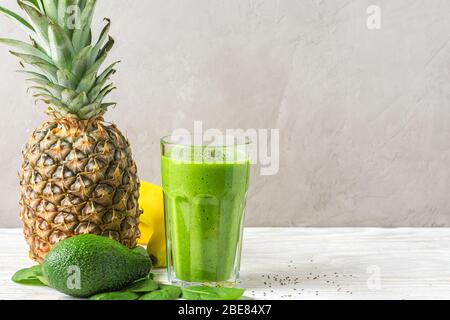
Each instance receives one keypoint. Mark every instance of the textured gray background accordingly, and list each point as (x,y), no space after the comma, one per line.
(364,115)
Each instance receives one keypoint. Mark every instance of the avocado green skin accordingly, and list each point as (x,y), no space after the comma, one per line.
(104,265)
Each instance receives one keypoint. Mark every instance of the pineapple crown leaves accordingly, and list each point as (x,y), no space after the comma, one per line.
(65,62)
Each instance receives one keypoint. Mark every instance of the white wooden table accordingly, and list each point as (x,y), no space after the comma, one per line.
(306,263)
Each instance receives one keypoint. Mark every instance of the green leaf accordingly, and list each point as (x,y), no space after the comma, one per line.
(107,73)
(39,23)
(145,285)
(33,282)
(28,58)
(93,112)
(49,71)
(60,46)
(81,62)
(39,81)
(93,94)
(27,48)
(51,10)
(81,37)
(80,101)
(54,89)
(210,293)
(37,4)
(43,66)
(67,96)
(87,82)
(115,296)
(106,48)
(17,18)
(65,79)
(39,89)
(27,273)
(82,4)
(94,68)
(40,5)
(60,111)
(48,99)
(35,44)
(44,97)
(90,111)
(43,280)
(105,91)
(166,292)
(105,106)
(34,74)
(101,40)
(29,276)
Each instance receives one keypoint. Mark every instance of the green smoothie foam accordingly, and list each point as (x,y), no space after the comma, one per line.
(205,202)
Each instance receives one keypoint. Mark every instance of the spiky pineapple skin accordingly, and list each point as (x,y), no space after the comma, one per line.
(78,177)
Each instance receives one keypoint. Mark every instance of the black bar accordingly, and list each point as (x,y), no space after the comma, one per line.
(248,309)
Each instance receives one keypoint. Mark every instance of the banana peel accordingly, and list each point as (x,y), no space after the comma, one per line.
(151,226)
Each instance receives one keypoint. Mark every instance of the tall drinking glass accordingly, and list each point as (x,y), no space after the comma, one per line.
(205,188)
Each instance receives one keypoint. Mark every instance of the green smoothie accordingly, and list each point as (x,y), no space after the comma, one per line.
(205,204)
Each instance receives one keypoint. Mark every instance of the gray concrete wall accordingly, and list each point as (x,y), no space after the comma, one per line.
(363,114)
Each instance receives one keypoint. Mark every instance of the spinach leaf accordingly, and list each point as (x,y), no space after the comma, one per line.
(145,285)
(115,296)
(43,280)
(210,293)
(166,292)
(30,276)
(149,276)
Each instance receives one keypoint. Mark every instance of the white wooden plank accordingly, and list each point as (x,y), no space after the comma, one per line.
(306,263)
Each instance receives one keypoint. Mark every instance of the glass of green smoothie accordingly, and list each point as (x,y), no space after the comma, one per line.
(205,188)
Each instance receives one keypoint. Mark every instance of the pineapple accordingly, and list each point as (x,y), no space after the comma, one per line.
(78,175)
